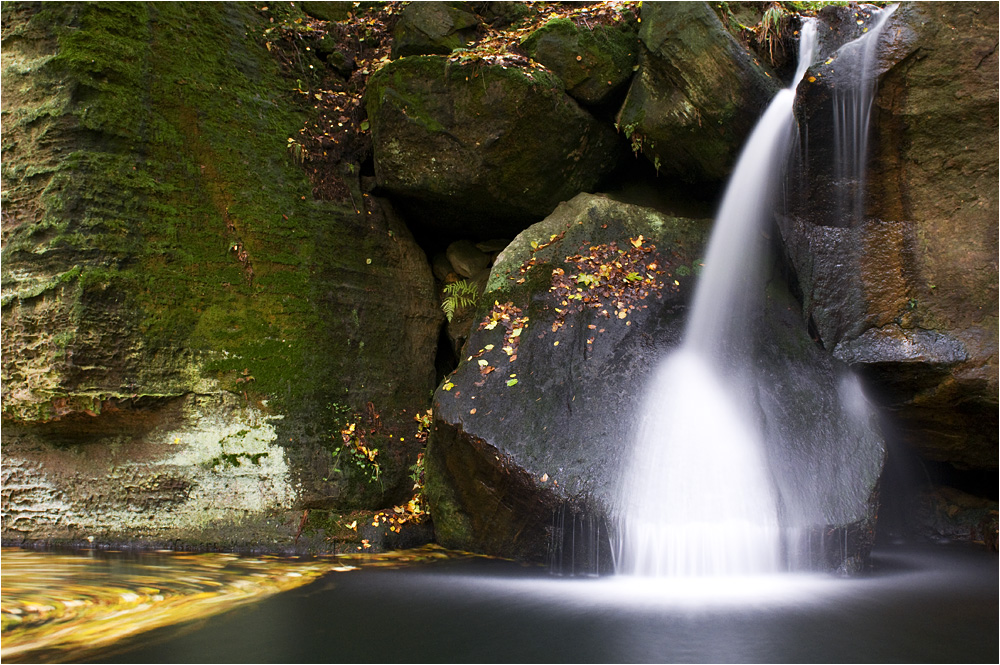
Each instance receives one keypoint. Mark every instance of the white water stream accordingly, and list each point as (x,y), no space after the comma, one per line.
(697,499)
(852,104)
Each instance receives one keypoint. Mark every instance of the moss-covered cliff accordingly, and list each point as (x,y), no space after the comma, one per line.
(162,244)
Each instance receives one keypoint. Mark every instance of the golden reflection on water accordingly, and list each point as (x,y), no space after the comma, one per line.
(63,606)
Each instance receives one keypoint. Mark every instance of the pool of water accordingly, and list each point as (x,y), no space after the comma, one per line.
(922,604)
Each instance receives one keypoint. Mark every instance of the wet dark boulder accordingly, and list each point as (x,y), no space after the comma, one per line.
(533,419)
(697,94)
(480,150)
(532,430)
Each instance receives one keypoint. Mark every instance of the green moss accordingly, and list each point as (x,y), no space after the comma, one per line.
(230,460)
(179,119)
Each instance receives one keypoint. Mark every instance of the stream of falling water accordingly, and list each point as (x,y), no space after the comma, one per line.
(698,499)
(852,103)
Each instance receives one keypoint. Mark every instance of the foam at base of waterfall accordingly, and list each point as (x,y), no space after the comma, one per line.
(698,500)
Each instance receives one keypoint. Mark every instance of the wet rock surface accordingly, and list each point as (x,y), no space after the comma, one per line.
(907,292)
(532,428)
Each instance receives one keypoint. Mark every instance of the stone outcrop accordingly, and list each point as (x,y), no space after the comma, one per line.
(907,292)
(425,28)
(480,150)
(185,330)
(592,63)
(697,94)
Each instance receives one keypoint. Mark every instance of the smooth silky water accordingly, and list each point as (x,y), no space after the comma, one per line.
(697,499)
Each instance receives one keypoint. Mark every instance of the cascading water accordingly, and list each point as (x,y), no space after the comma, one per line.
(852,103)
(698,499)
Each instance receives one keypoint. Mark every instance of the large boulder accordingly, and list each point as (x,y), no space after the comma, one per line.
(905,290)
(185,329)
(532,419)
(425,28)
(480,150)
(697,95)
(532,430)
(593,63)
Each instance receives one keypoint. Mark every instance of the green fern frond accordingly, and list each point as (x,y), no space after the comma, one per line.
(458,295)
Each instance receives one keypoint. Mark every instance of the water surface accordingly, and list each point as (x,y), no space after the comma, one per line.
(922,604)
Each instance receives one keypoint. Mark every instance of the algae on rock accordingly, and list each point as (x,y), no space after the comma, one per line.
(697,94)
(159,244)
(481,150)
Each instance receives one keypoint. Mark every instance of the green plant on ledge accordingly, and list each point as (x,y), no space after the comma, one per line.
(458,295)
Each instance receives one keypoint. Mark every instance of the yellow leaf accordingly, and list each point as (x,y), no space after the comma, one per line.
(353,526)
(637,242)
(516,332)
(448,386)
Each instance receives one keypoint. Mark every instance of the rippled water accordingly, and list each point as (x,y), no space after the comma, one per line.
(58,607)
(922,604)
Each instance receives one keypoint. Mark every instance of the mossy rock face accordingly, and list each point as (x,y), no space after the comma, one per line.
(906,289)
(697,94)
(593,64)
(162,247)
(327,10)
(426,28)
(480,150)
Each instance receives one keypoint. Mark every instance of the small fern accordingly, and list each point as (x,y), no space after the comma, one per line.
(458,295)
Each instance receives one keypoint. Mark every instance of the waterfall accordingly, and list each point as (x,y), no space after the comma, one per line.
(853,95)
(697,498)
